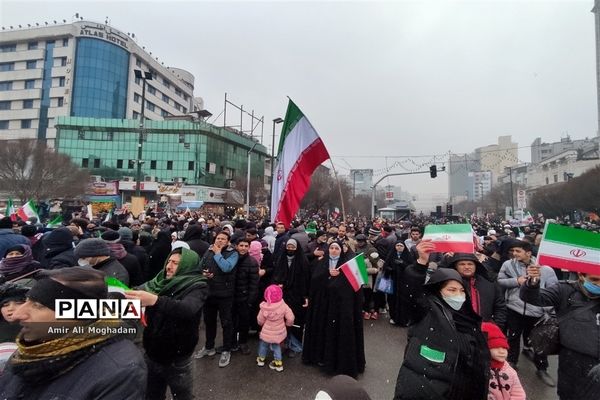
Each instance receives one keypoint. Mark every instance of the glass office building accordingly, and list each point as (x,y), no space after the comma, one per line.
(191,152)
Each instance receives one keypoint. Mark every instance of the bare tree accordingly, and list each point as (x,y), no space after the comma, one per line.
(29,170)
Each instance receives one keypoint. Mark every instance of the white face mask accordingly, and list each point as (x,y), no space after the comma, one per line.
(82,262)
(455,302)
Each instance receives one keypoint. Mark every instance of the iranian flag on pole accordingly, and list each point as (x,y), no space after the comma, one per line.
(27,211)
(570,248)
(356,271)
(10,210)
(457,238)
(301,151)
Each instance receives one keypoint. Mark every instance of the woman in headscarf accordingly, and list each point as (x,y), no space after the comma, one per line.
(395,264)
(447,356)
(18,260)
(292,273)
(334,328)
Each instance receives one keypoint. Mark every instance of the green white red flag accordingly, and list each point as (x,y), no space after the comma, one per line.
(457,238)
(301,151)
(10,210)
(56,222)
(356,271)
(27,211)
(569,248)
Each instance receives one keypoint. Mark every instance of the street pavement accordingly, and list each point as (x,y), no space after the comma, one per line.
(384,349)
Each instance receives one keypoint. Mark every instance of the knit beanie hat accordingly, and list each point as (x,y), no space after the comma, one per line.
(111,236)
(374,232)
(125,233)
(29,230)
(91,248)
(12,292)
(494,334)
(273,294)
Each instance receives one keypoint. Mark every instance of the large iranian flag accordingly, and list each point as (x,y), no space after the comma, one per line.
(301,151)
(356,271)
(570,248)
(27,211)
(457,238)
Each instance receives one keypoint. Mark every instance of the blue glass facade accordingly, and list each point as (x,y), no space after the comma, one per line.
(100,80)
(46,85)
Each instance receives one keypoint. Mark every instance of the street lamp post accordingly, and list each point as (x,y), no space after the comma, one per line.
(144,76)
(275,122)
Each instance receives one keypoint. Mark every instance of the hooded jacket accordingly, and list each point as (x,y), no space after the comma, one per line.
(174,320)
(274,318)
(269,237)
(194,237)
(9,238)
(246,279)
(490,302)
(58,251)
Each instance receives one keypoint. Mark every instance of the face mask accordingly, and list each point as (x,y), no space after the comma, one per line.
(592,288)
(290,252)
(82,262)
(455,302)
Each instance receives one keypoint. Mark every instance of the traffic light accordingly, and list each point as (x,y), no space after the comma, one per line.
(433,171)
(448,209)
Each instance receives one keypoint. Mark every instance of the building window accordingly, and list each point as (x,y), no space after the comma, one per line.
(119,163)
(190,165)
(166,83)
(31,64)
(84,162)
(138,63)
(63,61)
(164,113)
(165,98)
(28,103)
(169,165)
(136,115)
(9,66)
(152,164)
(8,48)
(6,85)
(177,107)
(3,124)
(186,97)
(138,81)
(32,45)
(184,110)
(60,101)
(234,149)
(150,106)
(151,89)
(30,84)
(5,105)
(555,178)
(131,164)
(96,163)
(25,123)
(222,170)
(211,168)
(136,97)
(178,92)
(61,81)
(230,173)
(65,42)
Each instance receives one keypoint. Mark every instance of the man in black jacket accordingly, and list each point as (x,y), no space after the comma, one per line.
(218,266)
(173,301)
(486,296)
(193,236)
(246,291)
(58,249)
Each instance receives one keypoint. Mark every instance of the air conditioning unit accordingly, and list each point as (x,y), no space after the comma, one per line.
(179,179)
(95,178)
(128,178)
(149,178)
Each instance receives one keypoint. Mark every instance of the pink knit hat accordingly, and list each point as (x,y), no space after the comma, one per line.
(273,294)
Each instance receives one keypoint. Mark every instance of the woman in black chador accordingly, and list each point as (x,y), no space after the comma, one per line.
(334,328)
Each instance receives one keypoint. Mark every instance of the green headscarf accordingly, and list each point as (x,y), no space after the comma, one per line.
(188,273)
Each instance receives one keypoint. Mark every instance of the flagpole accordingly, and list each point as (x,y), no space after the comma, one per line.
(340,190)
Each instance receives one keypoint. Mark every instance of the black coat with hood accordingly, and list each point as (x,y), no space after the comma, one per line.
(194,236)
(246,279)
(58,250)
(447,356)
(492,306)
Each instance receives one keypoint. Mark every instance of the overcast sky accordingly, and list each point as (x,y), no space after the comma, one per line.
(376,79)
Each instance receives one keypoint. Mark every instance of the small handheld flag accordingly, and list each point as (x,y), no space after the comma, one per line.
(356,271)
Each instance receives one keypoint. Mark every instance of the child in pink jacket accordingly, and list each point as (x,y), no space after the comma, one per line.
(504,381)
(274,317)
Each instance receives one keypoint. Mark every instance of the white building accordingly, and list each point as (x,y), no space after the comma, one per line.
(559,168)
(82,69)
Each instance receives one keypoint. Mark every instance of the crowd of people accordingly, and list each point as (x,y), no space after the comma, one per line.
(469,316)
